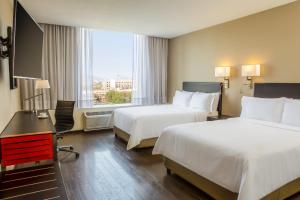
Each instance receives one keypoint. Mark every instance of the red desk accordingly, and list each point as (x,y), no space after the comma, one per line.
(27,139)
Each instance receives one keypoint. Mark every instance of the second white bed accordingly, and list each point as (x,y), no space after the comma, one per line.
(144,122)
(248,157)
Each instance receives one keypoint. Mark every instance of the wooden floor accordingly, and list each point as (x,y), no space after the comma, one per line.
(105,170)
(39,182)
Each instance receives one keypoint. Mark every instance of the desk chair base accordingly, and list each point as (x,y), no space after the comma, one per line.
(69,149)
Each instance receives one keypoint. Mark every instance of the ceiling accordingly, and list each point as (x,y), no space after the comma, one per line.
(161,18)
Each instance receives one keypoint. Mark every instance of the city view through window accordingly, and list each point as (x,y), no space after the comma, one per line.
(112,67)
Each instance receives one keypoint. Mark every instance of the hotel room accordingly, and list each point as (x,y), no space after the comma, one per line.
(140,99)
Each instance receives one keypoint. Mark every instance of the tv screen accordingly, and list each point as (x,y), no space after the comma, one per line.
(27,45)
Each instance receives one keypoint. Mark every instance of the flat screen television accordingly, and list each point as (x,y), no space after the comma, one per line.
(27,43)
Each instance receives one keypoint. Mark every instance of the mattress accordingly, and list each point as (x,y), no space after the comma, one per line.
(144,122)
(249,157)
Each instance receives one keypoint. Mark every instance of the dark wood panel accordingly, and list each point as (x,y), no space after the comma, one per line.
(42,182)
(207,87)
(276,90)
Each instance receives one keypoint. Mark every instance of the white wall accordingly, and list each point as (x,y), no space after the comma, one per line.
(9,99)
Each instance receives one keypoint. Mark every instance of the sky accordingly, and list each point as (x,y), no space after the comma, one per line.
(113,55)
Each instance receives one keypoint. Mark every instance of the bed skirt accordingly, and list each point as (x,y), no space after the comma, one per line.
(146,143)
(219,192)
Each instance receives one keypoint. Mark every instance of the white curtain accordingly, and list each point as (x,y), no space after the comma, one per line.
(85,68)
(149,70)
(59,61)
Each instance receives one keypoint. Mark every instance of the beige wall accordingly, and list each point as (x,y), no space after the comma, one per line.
(9,99)
(270,38)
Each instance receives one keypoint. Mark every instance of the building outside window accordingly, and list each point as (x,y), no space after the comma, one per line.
(112,67)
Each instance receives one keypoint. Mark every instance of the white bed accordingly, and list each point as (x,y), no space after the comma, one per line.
(237,154)
(145,122)
(141,126)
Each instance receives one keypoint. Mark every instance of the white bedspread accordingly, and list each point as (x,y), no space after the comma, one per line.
(249,157)
(144,122)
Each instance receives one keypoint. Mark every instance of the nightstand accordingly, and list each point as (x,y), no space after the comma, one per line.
(218,117)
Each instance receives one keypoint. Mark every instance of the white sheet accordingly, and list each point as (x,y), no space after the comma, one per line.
(144,122)
(250,157)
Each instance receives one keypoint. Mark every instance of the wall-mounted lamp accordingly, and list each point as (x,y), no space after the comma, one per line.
(250,71)
(223,72)
(5,44)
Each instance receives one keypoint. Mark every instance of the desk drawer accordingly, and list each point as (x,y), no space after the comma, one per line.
(15,151)
(26,144)
(26,160)
(24,149)
(28,138)
(46,153)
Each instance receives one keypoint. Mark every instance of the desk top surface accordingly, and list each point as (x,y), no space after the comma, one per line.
(27,123)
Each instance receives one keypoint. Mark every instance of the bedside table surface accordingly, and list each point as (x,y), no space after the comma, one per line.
(210,118)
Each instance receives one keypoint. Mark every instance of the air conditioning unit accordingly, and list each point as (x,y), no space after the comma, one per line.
(97,120)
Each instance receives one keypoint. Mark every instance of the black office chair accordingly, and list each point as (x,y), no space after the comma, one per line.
(64,123)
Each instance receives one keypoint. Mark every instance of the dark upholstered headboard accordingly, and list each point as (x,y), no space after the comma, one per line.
(276,90)
(206,87)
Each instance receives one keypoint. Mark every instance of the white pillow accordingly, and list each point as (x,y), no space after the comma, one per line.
(291,112)
(202,101)
(182,98)
(215,102)
(262,108)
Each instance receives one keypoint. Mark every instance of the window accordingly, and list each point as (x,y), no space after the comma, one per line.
(112,67)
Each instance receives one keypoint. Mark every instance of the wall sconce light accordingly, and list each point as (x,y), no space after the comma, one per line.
(4,42)
(223,72)
(250,71)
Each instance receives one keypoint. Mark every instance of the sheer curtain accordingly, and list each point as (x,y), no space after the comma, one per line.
(149,70)
(67,64)
(85,67)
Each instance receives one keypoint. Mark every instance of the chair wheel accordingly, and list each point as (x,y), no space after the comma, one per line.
(77,155)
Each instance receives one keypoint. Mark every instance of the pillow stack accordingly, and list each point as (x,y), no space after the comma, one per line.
(280,110)
(291,112)
(207,102)
(182,98)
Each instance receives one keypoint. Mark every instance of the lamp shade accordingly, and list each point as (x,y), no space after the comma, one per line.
(222,71)
(251,70)
(42,84)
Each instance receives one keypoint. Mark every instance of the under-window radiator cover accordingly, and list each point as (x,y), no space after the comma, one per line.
(98,120)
